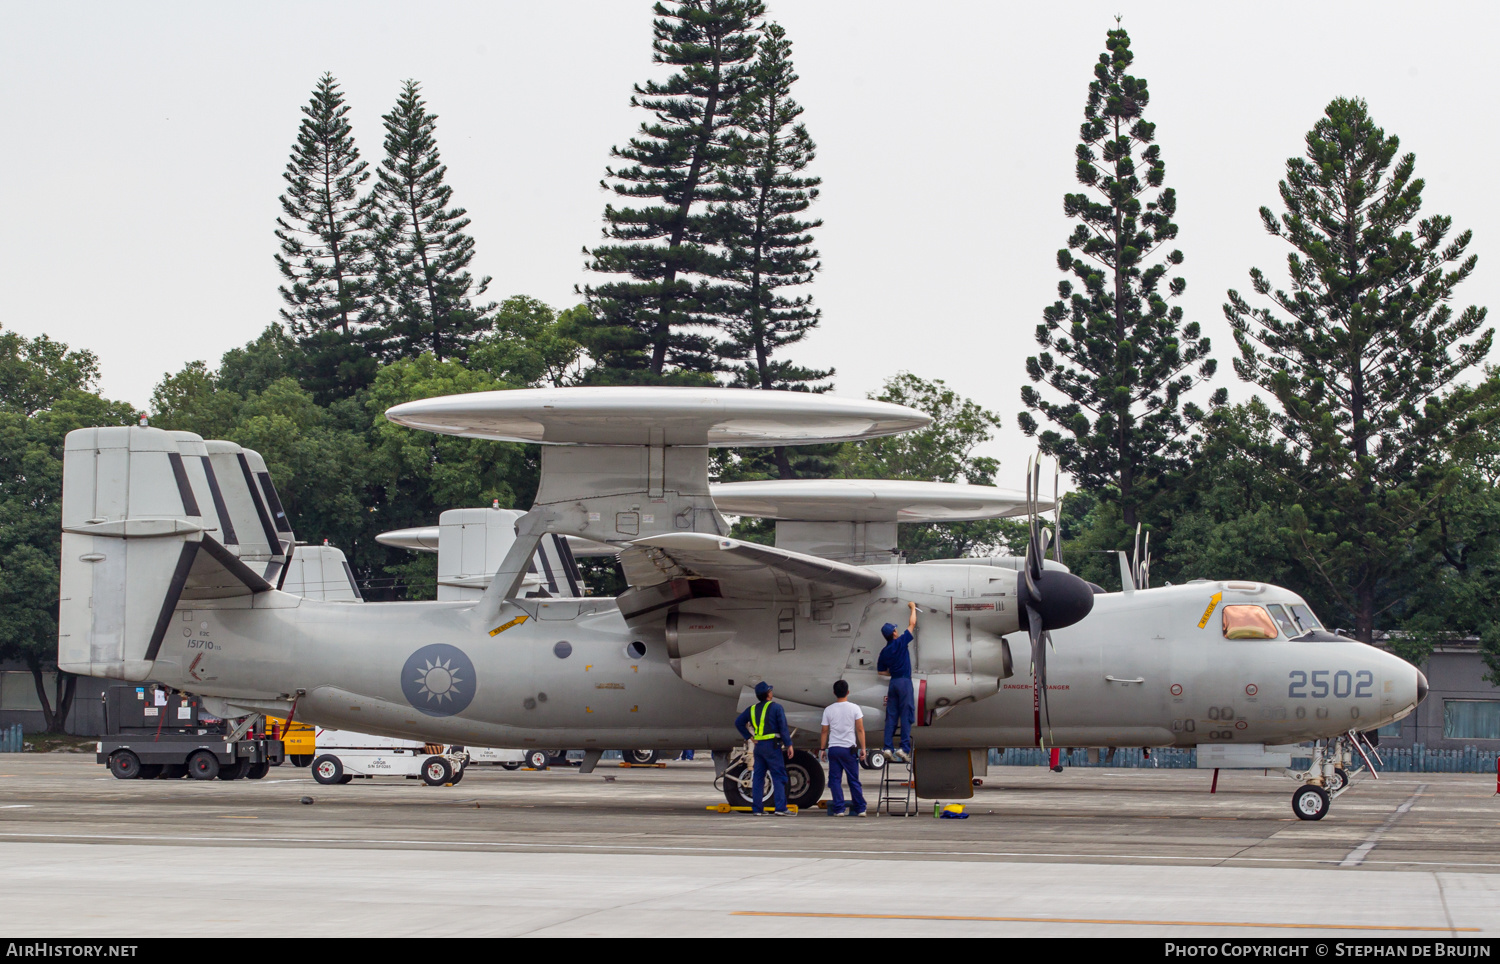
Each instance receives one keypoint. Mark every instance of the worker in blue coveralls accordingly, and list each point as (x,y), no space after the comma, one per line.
(764,725)
(895,662)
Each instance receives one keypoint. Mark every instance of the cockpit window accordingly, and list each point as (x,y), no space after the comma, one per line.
(1278,613)
(1248,622)
(1306,621)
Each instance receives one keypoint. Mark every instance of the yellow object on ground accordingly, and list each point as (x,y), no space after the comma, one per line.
(726,808)
(301,739)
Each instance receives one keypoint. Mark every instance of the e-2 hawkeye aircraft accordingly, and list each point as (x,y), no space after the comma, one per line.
(173,548)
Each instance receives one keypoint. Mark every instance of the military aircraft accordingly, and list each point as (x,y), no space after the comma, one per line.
(173,548)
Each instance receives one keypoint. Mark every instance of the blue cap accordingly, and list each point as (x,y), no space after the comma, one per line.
(888,630)
(762,688)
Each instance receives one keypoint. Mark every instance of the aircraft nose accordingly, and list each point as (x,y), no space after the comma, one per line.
(1421,686)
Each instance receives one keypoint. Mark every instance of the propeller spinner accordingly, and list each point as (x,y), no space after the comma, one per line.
(1050,599)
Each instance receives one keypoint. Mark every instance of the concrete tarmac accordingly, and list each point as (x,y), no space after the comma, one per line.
(635,852)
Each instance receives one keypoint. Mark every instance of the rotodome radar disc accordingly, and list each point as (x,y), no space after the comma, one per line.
(660,416)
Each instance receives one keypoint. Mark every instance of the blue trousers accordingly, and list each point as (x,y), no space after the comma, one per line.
(900,705)
(768,756)
(844,760)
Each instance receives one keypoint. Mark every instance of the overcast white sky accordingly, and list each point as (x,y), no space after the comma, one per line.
(145,142)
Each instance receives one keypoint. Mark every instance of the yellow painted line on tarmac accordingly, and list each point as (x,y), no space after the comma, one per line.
(1090,920)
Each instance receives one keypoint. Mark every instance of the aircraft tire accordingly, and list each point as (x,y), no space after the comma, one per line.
(300,759)
(458,775)
(203,765)
(538,759)
(173,771)
(510,766)
(258,771)
(328,770)
(150,771)
(436,771)
(1310,802)
(805,780)
(874,760)
(124,765)
(639,757)
(1340,780)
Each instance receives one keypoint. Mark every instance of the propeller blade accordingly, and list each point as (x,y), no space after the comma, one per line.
(1146,564)
(1040,640)
(1057,509)
(1136,558)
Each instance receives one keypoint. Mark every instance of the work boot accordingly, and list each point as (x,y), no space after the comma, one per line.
(783,813)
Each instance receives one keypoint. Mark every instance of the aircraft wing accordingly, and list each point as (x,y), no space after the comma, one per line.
(664,569)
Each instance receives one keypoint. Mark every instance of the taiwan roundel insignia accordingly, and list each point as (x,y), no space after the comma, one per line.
(439,680)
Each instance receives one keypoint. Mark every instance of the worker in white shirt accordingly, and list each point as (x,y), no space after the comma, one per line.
(843,733)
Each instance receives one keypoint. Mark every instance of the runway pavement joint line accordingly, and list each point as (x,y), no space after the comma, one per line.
(1358,854)
(1100,920)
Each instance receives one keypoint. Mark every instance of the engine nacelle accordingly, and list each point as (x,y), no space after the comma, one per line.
(690,633)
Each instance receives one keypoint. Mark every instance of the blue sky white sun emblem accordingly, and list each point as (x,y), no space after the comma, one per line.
(439,680)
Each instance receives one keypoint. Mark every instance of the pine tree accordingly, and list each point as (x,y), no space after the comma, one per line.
(421,252)
(767,243)
(1362,355)
(324,255)
(653,323)
(1124,354)
(320,233)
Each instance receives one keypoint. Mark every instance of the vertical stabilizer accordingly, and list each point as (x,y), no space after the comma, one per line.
(132,524)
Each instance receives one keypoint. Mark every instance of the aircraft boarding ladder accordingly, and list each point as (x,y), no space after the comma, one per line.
(898,794)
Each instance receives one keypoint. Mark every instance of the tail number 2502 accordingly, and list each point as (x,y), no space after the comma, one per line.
(1344,684)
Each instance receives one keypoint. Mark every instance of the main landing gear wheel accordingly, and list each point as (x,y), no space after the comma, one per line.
(258,771)
(538,759)
(203,765)
(124,765)
(436,772)
(510,766)
(1310,802)
(327,770)
(639,758)
(1340,780)
(805,782)
(300,759)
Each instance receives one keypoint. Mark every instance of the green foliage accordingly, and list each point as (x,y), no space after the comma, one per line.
(1362,355)
(652,322)
(532,345)
(421,253)
(1123,358)
(942,452)
(764,235)
(46,391)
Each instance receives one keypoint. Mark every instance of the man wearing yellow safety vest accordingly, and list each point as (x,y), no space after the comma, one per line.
(764,725)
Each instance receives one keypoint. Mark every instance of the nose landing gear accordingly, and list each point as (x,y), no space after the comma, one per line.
(1332,763)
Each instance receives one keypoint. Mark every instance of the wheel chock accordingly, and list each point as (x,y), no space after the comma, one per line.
(726,808)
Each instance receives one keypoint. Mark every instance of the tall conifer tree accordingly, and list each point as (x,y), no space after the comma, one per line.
(652,323)
(767,241)
(1362,355)
(422,254)
(324,256)
(1123,357)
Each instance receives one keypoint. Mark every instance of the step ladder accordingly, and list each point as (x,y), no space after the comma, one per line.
(898,792)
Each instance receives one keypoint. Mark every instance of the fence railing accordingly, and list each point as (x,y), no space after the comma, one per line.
(1413,759)
(10,739)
